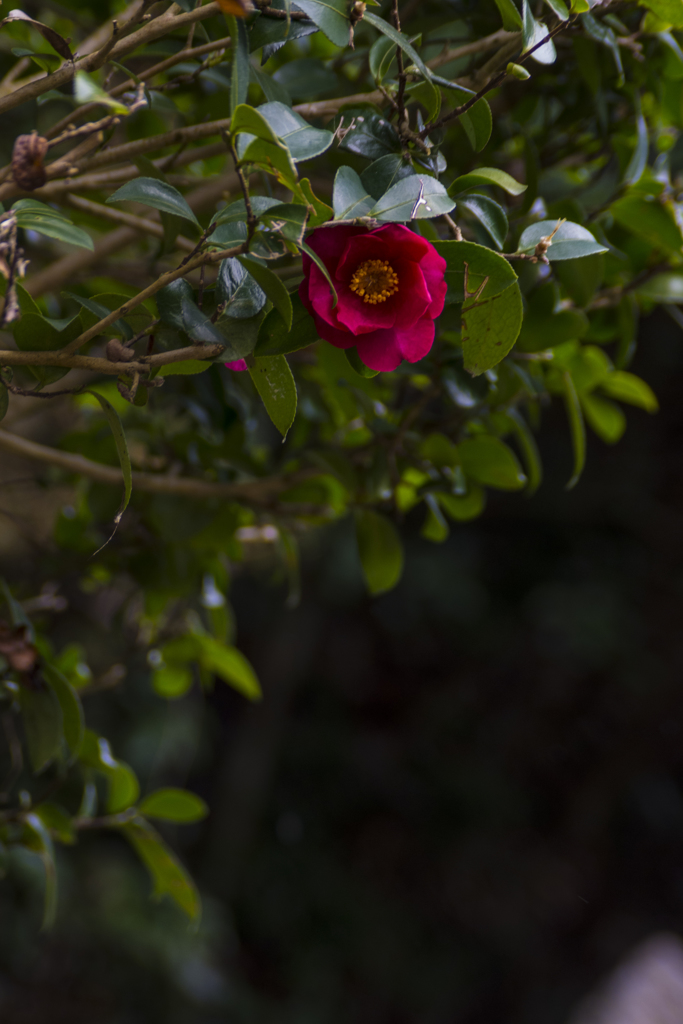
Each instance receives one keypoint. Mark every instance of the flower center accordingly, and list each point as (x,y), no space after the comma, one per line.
(375,281)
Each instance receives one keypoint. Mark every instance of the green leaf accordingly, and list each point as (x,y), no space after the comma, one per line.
(237,287)
(478,124)
(629,388)
(350,198)
(302,140)
(275,338)
(667,287)
(72,710)
(670,11)
(368,134)
(534,33)
(33,215)
(357,363)
(482,262)
(382,52)
(178,309)
(319,212)
(435,527)
(168,874)
(486,176)
(116,428)
(559,8)
(489,214)
(41,716)
(36,333)
(186,368)
(274,382)
(240,71)
(491,328)
(489,461)
(416,197)
(576,426)
(606,418)
(155,193)
(512,21)
(638,161)
(228,663)
(36,837)
(86,90)
(56,820)
(385,172)
(124,788)
(237,212)
(331,17)
(463,507)
(172,681)
(649,220)
(173,805)
(273,90)
(604,34)
(380,550)
(4,400)
(287,220)
(570,241)
(272,286)
(529,448)
(400,40)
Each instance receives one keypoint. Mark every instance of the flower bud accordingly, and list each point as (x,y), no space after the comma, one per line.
(517,71)
(28,166)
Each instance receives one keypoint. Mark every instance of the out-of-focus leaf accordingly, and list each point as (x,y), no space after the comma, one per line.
(119,436)
(37,838)
(227,662)
(380,550)
(534,33)
(489,461)
(70,703)
(463,507)
(606,418)
(666,287)
(4,401)
(577,427)
(512,21)
(86,90)
(478,124)
(57,42)
(272,286)
(173,805)
(168,874)
(629,388)
(400,40)
(41,716)
(486,176)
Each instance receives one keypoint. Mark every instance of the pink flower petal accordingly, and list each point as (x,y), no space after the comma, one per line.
(238,364)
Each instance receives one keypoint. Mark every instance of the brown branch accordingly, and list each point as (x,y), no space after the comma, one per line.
(155,29)
(478,46)
(97,364)
(142,224)
(257,492)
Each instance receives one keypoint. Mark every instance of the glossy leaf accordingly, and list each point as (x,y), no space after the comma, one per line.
(486,176)
(478,124)
(302,140)
(274,382)
(399,39)
(571,241)
(489,214)
(482,263)
(173,805)
(534,33)
(272,286)
(559,8)
(177,308)
(384,172)
(350,198)
(276,338)
(330,16)
(380,550)
(512,21)
(155,193)
(413,198)
(236,286)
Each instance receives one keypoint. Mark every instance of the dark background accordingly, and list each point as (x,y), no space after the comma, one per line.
(460,802)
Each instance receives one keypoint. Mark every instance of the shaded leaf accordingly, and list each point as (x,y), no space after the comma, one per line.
(41,716)
(478,124)
(330,16)
(380,550)
(350,198)
(173,805)
(571,241)
(276,338)
(489,461)
(272,286)
(168,874)
(155,193)
(274,382)
(414,197)
(490,215)
(33,215)
(72,710)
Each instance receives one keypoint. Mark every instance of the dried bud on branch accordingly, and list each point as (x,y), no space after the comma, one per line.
(28,161)
(118,353)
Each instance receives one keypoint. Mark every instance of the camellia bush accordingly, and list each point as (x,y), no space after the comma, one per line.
(287,263)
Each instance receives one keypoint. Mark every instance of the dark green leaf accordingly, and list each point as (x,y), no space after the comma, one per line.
(576,426)
(116,428)
(482,263)
(274,382)
(240,71)
(382,52)
(399,39)
(652,221)
(302,140)
(380,550)
(478,124)
(275,338)
(37,838)
(188,367)
(272,286)
(559,8)
(70,703)
(57,42)
(371,136)
(330,16)
(41,715)
(489,214)
(177,308)
(383,173)
(287,220)
(529,448)
(155,193)
(33,215)
(237,287)
(227,662)
(173,805)
(510,15)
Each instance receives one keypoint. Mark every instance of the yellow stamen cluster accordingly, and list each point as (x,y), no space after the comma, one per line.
(375,281)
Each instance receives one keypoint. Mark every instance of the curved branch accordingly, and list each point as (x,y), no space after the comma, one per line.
(255,492)
(97,364)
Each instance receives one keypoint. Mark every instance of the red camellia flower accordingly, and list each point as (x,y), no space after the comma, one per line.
(390,287)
